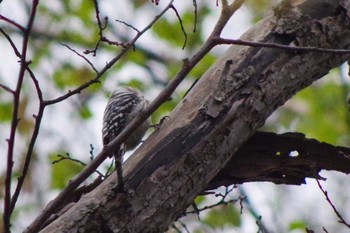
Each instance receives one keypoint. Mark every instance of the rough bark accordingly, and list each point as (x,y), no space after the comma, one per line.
(232,99)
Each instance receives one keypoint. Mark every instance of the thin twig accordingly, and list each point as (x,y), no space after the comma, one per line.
(100,33)
(68,157)
(220,202)
(6,88)
(10,21)
(36,84)
(219,40)
(97,12)
(11,141)
(128,25)
(181,24)
(16,51)
(325,193)
(183,225)
(38,117)
(28,157)
(195,16)
(87,60)
(175,228)
(252,210)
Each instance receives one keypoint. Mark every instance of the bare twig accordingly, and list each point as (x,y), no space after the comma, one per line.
(68,157)
(87,60)
(220,202)
(100,27)
(18,54)
(261,227)
(128,25)
(38,118)
(219,40)
(183,225)
(325,193)
(10,21)
(15,120)
(195,15)
(252,211)
(181,24)
(100,33)
(6,88)
(175,228)
(36,84)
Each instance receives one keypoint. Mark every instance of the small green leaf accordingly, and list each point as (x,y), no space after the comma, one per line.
(297,225)
(69,76)
(199,199)
(6,111)
(85,112)
(224,215)
(63,171)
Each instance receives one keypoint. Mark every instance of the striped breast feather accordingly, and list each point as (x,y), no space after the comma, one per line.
(119,106)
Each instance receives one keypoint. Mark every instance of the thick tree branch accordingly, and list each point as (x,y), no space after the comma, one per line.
(74,183)
(283,159)
(227,12)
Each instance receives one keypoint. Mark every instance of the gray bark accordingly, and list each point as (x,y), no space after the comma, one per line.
(230,101)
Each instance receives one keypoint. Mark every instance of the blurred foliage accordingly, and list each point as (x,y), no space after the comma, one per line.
(199,199)
(70,76)
(6,111)
(223,216)
(260,8)
(327,113)
(319,111)
(172,32)
(63,171)
(297,225)
(85,112)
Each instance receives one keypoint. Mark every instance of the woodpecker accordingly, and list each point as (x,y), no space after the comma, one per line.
(124,105)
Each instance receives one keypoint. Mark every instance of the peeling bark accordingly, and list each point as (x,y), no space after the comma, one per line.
(232,99)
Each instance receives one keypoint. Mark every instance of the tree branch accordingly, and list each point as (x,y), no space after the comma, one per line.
(15,120)
(255,161)
(325,193)
(281,46)
(161,98)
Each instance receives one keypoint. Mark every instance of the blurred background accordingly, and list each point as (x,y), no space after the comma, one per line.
(73,127)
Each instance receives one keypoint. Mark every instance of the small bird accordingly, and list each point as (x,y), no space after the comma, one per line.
(124,105)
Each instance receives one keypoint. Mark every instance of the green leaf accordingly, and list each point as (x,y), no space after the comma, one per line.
(297,225)
(85,112)
(319,111)
(223,215)
(169,32)
(6,111)
(199,199)
(69,76)
(63,171)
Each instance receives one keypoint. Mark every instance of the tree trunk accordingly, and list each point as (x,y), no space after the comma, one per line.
(231,100)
